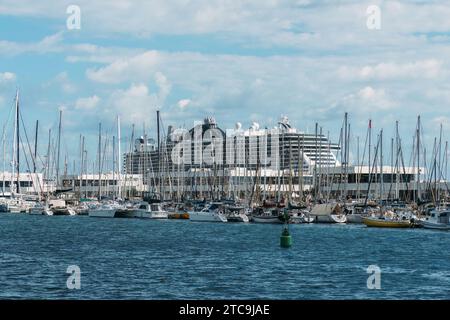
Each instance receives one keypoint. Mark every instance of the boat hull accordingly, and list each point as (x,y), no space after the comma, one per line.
(124,213)
(238,218)
(434,225)
(355,218)
(155,215)
(63,212)
(380,223)
(266,219)
(179,215)
(102,213)
(332,218)
(206,217)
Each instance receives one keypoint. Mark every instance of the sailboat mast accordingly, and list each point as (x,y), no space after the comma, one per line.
(99,159)
(418,159)
(369,152)
(17,144)
(381,166)
(345,143)
(47,167)
(159,153)
(82,159)
(119,163)
(59,148)
(35,146)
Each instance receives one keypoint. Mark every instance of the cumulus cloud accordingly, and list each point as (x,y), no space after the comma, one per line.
(183,103)
(7,77)
(430,68)
(135,104)
(88,103)
(310,60)
(137,67)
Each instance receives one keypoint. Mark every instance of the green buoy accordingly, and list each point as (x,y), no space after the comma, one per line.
(286,238)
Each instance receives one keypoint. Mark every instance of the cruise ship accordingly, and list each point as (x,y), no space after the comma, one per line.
(242,163)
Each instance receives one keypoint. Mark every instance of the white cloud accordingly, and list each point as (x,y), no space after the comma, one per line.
(134,104)
(300,24)
(183,103)
(430,68)
(137,67)
(7,77)
(88,103)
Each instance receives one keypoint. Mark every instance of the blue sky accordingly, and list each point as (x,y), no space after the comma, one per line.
(237,60)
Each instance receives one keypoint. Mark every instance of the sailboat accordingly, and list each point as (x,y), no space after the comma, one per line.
(388,219)
(328,213)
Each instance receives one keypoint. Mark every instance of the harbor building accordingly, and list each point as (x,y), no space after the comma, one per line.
(394,184)
(108,185)
(29,183)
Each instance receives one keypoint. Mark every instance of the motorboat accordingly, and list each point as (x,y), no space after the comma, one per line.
(236,214)
(438,218)
(149,211)
(40,209)
(103,211)
(213,212)
(178,211)
(267,215)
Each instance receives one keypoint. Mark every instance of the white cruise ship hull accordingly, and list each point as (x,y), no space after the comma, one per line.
(207,217)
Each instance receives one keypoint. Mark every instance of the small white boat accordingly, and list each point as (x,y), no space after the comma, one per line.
(18,206)
(236,214)
(63,211)
(267,215)
(265,219)
(438,219)
(39,209)
(82,209)
(212,213)
(356,217)
(103,211)
(150,211)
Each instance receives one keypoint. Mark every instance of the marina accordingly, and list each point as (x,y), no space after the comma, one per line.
(233,154)
(273,175)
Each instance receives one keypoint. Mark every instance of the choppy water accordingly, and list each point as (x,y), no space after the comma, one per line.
(143,259)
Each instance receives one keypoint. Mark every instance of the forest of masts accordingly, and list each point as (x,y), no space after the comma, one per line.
(24,157)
